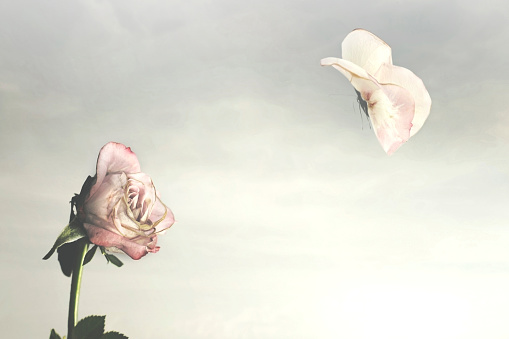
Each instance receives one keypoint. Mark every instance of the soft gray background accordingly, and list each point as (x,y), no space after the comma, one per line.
(291,220)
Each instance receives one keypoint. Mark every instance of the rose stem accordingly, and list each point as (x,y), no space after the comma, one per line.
(75,286)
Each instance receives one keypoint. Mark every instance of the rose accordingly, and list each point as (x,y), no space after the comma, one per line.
(118,208)
(123,209)
(397,101)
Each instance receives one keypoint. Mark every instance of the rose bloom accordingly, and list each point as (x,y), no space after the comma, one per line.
(123,209)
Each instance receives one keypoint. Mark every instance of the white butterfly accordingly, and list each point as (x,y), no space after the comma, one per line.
(397,101)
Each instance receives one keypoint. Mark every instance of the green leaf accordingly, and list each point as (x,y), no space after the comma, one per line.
(91,327)
(90,255)
(113,335)
(71,233)
(54,335)
(114,260)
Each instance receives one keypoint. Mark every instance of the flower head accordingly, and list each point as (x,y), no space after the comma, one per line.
(397,101)
(123,209)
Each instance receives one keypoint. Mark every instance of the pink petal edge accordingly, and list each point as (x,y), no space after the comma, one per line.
(158,213)
(102,237)
(114,158)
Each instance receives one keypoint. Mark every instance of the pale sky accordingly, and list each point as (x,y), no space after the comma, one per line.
(292,222)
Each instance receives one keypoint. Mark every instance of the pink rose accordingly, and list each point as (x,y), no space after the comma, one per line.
(123,209)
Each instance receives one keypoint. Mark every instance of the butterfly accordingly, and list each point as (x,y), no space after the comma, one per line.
(396,100)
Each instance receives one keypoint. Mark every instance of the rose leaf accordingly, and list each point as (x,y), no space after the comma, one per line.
(113,335)
(91,327)
(54,335)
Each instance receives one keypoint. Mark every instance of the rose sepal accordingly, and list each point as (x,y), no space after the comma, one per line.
(110,258)
(90,254)
(72,232)
(66,241)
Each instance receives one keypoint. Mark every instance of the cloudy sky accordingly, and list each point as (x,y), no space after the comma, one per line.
(292,222)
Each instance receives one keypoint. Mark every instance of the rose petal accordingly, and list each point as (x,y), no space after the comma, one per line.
(159,211)
(389,74)
(135,249)
(106,195)
(114,158)
(366,50)
(390,107)
(146,194)
(151,246)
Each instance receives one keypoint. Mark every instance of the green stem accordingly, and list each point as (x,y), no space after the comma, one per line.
(75,286)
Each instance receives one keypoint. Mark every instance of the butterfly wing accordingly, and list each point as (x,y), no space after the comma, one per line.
(402,77)
(390,107)
(366,50)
